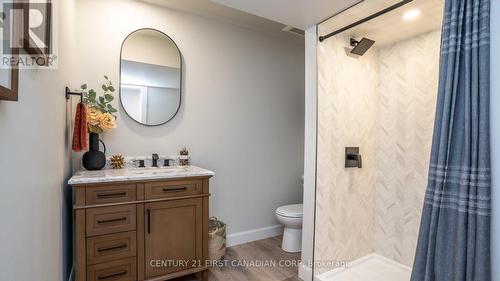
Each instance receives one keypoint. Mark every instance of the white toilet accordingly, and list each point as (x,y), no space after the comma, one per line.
(291,217)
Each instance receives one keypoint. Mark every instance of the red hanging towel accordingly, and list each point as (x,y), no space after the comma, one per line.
(80,132)
(84,131)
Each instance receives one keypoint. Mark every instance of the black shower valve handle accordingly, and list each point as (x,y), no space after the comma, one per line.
(353,158)
(357,158)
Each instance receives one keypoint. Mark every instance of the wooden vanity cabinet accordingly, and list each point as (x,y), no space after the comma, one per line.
(146,231)
(173,233)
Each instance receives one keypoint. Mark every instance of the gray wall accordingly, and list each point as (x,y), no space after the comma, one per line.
(242,111)
(35,207)
(162,104)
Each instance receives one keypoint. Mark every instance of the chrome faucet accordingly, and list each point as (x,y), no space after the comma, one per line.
(155,159)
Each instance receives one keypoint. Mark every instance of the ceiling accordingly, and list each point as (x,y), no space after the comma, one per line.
(297,13)
(390,27)
(263,15)
(271,16)
(212,10)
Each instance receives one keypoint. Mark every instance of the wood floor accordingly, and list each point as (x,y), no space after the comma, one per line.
(261,260)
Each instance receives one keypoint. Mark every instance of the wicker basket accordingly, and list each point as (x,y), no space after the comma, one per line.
(217,239)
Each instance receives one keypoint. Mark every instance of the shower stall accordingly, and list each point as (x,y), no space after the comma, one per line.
(376,94)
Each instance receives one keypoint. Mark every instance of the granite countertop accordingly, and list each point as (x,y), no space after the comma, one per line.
(137,174)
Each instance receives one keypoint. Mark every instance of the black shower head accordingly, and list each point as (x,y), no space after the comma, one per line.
(360,47)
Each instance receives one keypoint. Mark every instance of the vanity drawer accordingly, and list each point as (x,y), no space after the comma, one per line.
(120,270)
(111,247)
(170,189)
(110,194)
(107,220)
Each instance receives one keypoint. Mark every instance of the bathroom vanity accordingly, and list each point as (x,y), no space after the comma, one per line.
(141,223)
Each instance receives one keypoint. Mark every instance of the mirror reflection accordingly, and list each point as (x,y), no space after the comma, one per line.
(151,71)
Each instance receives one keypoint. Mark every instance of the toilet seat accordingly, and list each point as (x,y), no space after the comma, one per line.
(290,211)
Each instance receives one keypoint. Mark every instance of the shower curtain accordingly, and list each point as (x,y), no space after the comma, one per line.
(454,237)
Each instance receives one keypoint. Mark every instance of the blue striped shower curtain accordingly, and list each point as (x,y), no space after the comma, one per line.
(454,238)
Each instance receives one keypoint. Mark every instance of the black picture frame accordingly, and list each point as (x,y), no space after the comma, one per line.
(11,92)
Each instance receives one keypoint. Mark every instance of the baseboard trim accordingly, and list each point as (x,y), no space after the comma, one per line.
(243,237)
(305,272)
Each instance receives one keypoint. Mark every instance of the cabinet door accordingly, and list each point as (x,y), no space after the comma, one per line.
(173,238)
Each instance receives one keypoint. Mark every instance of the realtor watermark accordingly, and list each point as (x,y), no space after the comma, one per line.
(254,263)
(28,34)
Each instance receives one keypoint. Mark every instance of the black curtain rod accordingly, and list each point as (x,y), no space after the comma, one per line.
(378,14)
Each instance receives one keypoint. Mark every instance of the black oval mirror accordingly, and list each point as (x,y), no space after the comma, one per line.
(150,77)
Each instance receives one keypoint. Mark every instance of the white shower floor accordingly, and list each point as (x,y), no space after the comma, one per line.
(369,268)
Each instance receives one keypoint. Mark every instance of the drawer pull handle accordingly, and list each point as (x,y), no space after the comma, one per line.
(111,220)
(112,248)
(104,277)
(175,189)
(149,221)
(111,195)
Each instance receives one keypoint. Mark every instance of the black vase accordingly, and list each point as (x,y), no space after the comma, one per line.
(94,159)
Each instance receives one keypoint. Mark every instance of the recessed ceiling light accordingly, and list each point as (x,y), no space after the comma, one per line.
(411,14)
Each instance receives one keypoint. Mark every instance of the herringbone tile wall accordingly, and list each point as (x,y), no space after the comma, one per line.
(384,103)
(408,82)
(347,100)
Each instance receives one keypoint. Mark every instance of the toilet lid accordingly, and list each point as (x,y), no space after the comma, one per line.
(294,211)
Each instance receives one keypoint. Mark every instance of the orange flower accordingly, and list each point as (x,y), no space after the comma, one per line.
(107,121)
(93,116)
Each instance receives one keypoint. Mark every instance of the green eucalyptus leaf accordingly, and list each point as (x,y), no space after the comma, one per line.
(108,97)
(84,87)
(106,77)
(104,87)
(111,88)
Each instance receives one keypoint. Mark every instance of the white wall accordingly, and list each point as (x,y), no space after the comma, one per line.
(305,271)
(242,112)
(161,50)
(495,136)
(34,164)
